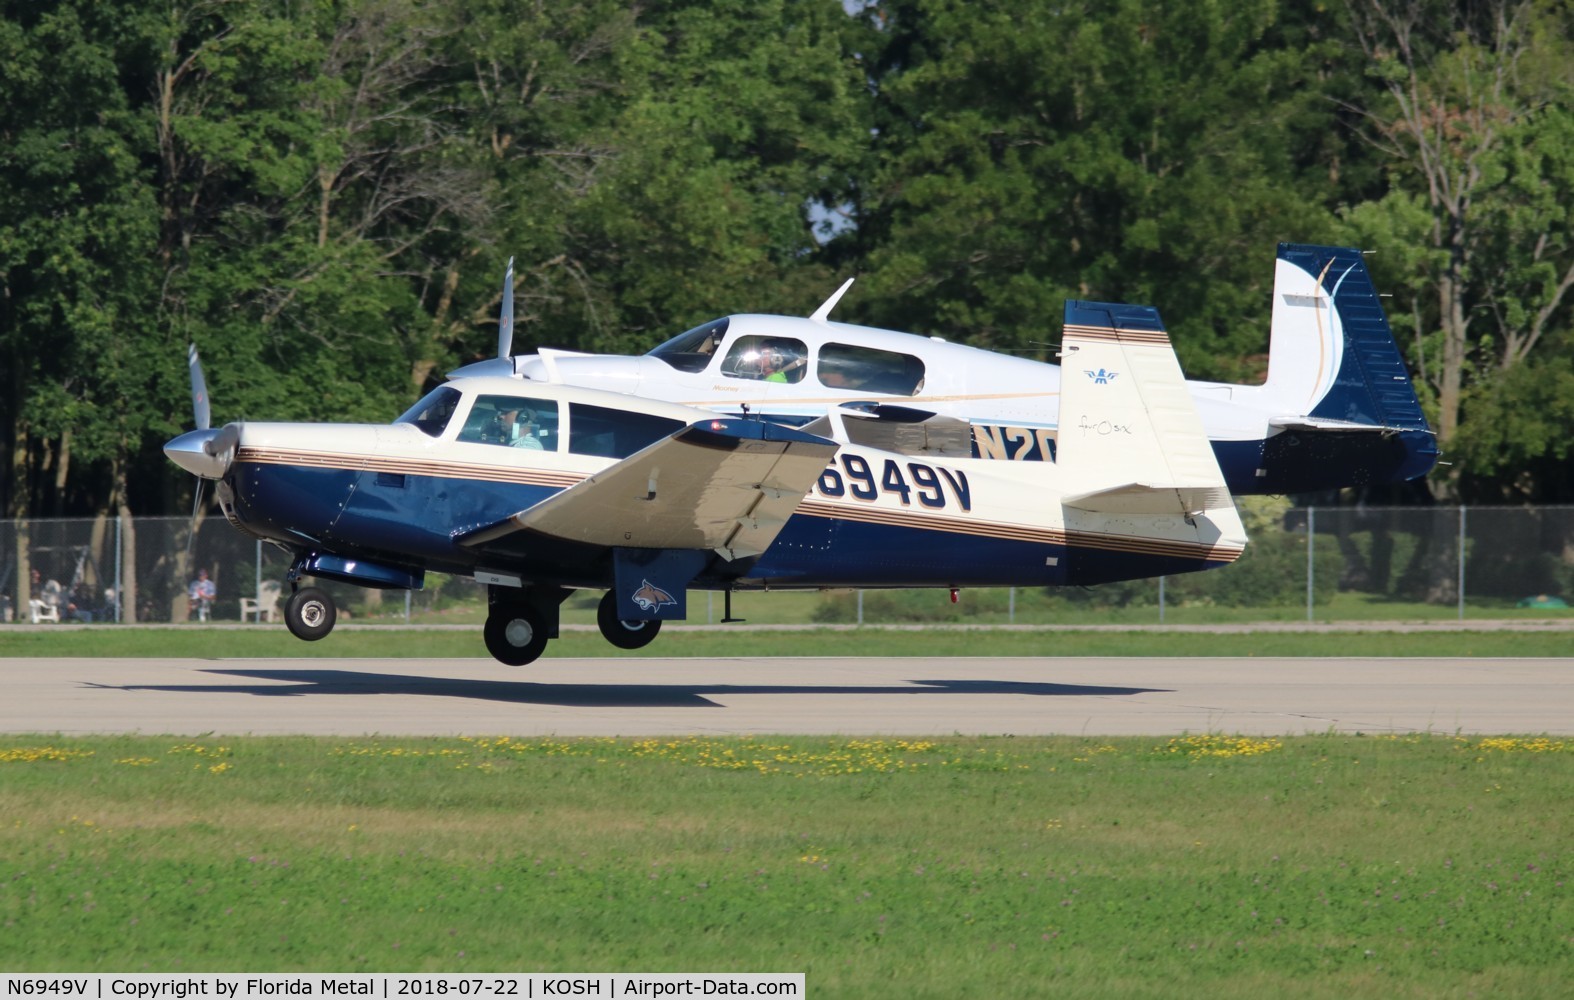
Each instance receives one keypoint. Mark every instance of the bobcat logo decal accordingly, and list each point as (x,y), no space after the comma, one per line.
(649,597)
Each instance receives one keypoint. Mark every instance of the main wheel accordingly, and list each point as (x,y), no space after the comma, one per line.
(515,634)
(309,614)
(623,634)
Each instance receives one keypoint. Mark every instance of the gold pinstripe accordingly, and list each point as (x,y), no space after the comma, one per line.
(408,466)
(1105,334)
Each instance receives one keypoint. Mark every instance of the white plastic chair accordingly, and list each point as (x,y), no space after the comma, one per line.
(265,604)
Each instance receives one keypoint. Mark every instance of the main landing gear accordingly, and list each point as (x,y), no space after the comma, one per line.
(623,634)
(515,633)
(309,613)
(521,621)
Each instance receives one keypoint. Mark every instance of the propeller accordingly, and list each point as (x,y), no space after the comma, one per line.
(199,390)
(505,318)
(204,452)
(503,364)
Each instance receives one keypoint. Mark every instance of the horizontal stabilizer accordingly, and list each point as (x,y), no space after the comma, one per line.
(1322,424)
(1141,498)
(727,485)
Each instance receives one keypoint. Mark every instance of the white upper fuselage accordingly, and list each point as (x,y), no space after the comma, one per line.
(967,383)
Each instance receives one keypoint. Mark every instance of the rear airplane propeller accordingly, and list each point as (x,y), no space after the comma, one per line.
(505,317)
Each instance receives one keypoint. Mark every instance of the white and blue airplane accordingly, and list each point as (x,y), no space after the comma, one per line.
(1338,408)
(537,489)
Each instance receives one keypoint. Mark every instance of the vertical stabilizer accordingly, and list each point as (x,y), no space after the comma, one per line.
(1130,438)
(1331,353)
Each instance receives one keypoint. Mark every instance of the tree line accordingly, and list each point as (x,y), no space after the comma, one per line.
(323,194)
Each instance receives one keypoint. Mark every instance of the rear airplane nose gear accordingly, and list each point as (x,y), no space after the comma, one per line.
(309,614)
(623,634)
(516,634)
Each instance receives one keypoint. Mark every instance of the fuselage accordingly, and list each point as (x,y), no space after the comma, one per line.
(1012,403)
(402,498)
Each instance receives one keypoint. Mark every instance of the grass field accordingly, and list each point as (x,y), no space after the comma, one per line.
(274,641)
(1312,866)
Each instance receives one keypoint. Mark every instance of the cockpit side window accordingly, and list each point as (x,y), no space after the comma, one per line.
(766,359)
(692,350)
(512,421)
(609,433)
(432,413)
(867,369)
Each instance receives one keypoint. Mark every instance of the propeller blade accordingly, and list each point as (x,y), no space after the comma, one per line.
(191,529)
(505,319)
(199,390)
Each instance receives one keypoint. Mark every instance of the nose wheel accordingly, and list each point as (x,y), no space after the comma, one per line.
(516,634)
(309,614)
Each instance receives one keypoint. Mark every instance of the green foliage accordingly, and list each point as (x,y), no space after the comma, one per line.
(322,196)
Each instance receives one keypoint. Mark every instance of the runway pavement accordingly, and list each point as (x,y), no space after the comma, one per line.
(1092,696)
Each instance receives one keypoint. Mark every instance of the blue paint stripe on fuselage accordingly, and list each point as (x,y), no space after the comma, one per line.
(414,525)
(861,554)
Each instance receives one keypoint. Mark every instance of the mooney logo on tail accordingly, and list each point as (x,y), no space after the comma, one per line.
(649,597)
(1101,377)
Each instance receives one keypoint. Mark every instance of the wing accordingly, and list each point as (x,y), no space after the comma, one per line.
(722,484)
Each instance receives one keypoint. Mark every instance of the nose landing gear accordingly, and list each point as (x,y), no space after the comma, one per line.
(309,614)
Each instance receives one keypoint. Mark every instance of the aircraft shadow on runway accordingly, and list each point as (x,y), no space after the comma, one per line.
(341,682)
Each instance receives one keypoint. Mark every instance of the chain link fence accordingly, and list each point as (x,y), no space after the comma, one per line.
(1322,562)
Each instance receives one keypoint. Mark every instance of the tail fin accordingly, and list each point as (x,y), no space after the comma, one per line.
(1130,435)
(1331,352)
(1333,366)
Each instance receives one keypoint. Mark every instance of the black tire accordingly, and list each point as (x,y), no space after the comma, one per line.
(515,634)
(624,634)
(309,614)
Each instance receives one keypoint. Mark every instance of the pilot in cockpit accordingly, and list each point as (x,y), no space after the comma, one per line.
(778,365)
(520,428)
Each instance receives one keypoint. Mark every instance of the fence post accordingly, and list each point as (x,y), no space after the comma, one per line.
(860,607)
(1311,572)
(1461,562)
(1161,600)
(120,571)
(1011,607)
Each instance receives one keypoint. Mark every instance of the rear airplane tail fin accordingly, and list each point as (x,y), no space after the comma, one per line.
(1131,441)
(1333,365)
(1331,353)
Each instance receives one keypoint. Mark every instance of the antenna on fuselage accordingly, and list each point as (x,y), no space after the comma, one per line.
(505,317)
(823,313)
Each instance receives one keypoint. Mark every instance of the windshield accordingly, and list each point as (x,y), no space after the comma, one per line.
(692,350)
(432,413)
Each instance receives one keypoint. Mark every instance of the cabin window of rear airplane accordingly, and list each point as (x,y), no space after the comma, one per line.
(692,350)
(844,366)
(766,359)
(609,433)
(432,413)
